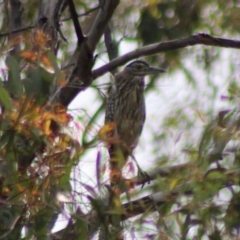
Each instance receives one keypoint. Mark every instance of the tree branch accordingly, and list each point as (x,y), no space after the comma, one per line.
(83,14)
(76,24)
(203,39)
(159,172)
(103,17)
(81,76)
(17,31)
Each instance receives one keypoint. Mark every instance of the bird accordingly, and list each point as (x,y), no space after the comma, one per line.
(125,108)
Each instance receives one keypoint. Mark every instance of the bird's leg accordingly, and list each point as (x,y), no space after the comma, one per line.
(141,173)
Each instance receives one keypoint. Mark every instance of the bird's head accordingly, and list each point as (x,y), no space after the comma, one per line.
(141,68)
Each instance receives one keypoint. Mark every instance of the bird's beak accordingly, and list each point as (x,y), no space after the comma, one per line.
(152,70)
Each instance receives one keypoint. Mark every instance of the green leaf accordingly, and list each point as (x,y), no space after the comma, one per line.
(81,228)
(5,98)
(37,85)
(14,83)
(4,139)
(33,84)
(41,221)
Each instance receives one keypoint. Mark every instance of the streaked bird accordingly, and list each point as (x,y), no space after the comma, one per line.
(125,107)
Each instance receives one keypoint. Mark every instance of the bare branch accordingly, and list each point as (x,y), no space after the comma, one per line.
(82,14)
(17,31)
(99,26)
(197,39)
(81,76)
(77,26)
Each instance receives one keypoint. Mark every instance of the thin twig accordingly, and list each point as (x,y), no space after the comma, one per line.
(17,31)
(62,20)
(83,14)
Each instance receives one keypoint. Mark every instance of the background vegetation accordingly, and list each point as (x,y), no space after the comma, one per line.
(53,163)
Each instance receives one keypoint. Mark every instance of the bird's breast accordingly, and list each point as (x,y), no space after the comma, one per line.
(131,104)
(130,114)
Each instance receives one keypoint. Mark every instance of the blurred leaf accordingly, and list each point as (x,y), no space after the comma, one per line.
(216,235)
(14,84)
(41,221)
(232,217)
(5,98)
(81,228)
(5,138)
